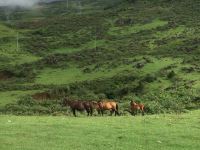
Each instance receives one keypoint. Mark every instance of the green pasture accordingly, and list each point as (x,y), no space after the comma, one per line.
(73,74)
(12,96)
(163,132)
(136,28)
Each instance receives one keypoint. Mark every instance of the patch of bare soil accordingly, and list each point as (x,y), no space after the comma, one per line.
(42,96)
(6,75)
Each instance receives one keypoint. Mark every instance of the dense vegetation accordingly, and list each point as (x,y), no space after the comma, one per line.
(146,50)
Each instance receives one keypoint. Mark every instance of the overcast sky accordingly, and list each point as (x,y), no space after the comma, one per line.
(22,3)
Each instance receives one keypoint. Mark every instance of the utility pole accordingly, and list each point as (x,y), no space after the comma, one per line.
(95,38)
(67,3)
(79,7)
(17,41)
(7,14)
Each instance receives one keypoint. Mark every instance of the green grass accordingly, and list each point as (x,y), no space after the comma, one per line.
(159,64)
(160,84)
(174,32)
(90,45)
(197,85)
(8,37)
(136,28)
(70,75)
(12,96)
(9,50)
(17,58)
(163,35)
(6,31)
(163,132)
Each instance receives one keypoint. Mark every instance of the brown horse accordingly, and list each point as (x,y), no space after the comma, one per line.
(95,106)
(136,107)
(108,105)
(79,106)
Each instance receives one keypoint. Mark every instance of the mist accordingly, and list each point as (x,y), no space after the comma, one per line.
(22,3)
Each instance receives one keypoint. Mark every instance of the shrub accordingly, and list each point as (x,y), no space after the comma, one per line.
(171,74)
(149,78)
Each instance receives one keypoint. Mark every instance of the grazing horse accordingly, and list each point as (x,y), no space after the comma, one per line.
(108,105)
(136,107)
(95,106)
(79,106)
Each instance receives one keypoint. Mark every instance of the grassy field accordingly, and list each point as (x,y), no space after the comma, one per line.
(164,132)
(65,76)
(142,50)
(13,96)
(70,75)
(137,28)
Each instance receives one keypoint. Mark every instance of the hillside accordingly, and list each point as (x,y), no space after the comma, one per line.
(146,50)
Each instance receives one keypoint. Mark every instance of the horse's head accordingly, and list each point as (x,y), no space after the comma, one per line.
(95,104)
(132,102)
(100,102)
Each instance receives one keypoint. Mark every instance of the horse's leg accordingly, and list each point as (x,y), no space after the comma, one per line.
(102,112)
(99,112)
(74,112)
(111,112)
(91,112)
(142,112)
(131,112)
(88,112)
(134,112)
(116,113)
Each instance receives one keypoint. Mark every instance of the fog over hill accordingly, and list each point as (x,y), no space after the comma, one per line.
(22,3)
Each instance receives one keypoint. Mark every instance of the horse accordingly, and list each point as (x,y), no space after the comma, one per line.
(79,106)
(95,106)
(108,105)
(136,107)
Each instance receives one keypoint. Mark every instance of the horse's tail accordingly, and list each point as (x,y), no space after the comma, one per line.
(117,109)
(143,110)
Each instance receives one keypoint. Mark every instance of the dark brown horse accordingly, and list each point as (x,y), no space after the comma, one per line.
(79,106)
(108,105)
(136,107)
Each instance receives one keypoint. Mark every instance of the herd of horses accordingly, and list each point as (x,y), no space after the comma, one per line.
(101,106)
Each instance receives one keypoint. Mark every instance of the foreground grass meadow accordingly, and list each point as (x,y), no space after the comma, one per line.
(151,132)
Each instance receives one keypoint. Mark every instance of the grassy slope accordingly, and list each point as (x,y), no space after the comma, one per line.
(8,48)
(165,32)
(118,31)
(66,76)
(12,96)
(164,132)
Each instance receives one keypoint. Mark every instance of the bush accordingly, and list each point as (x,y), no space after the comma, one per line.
(171,74)
(149,78)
